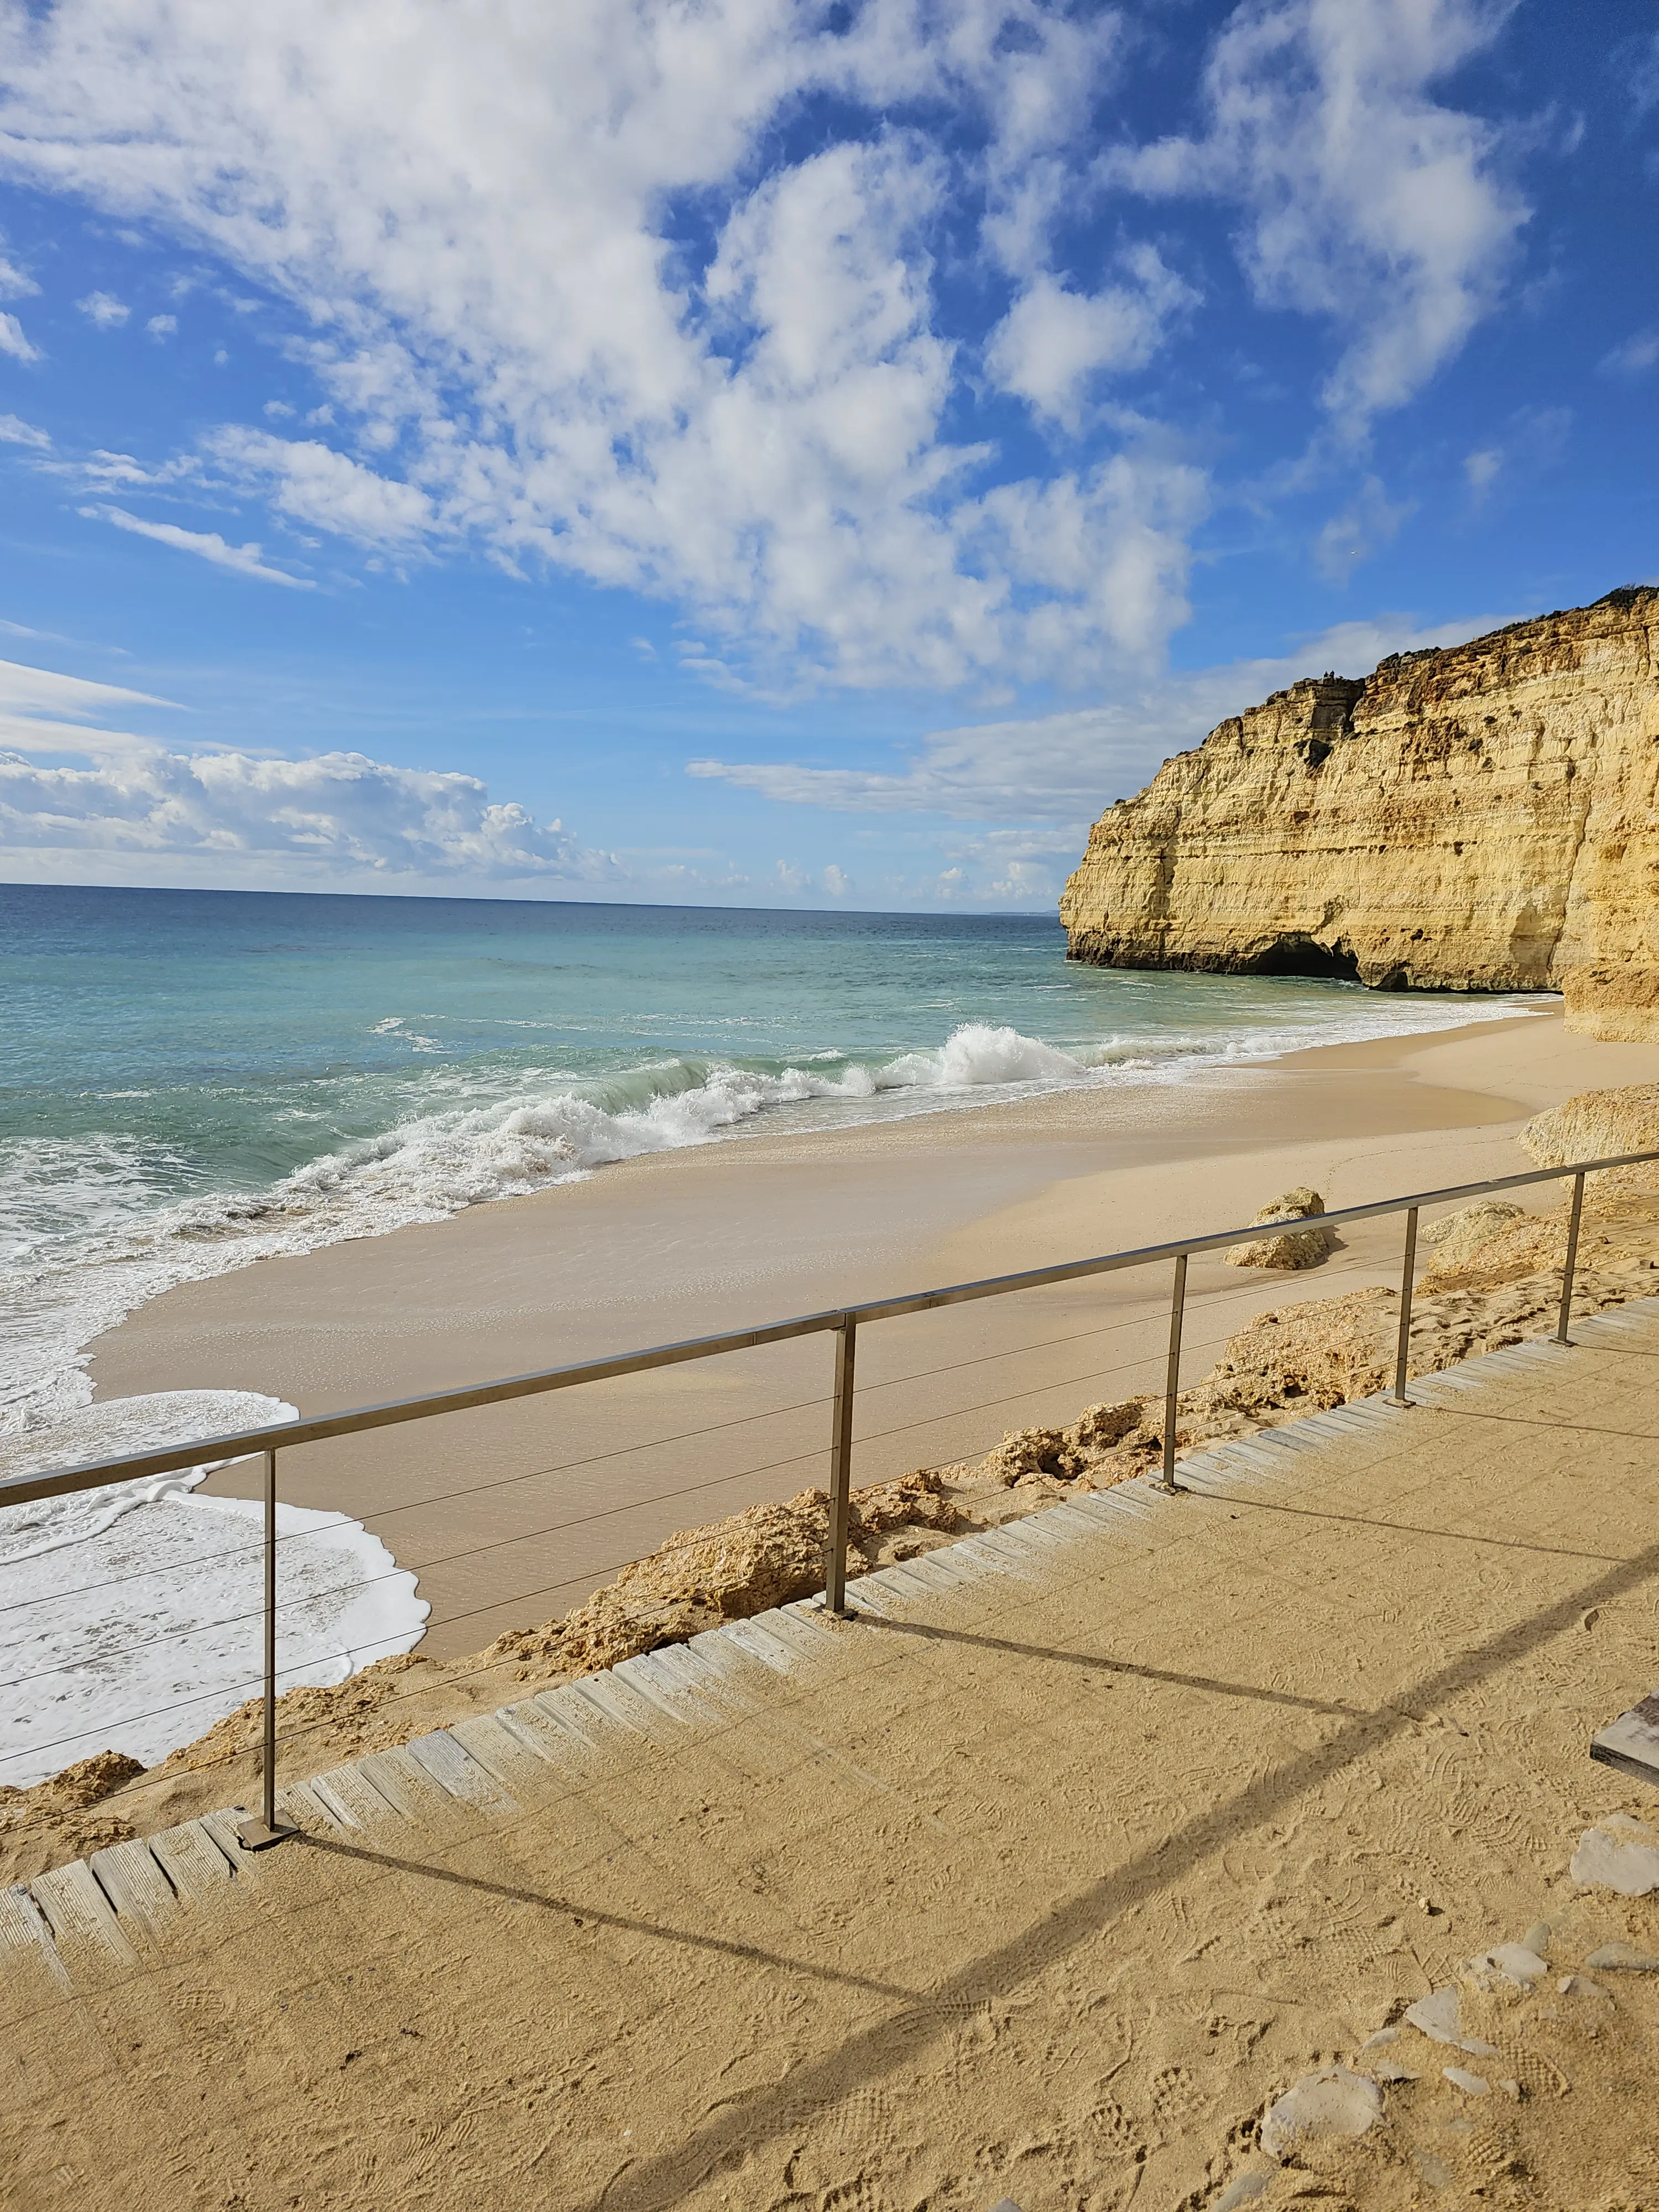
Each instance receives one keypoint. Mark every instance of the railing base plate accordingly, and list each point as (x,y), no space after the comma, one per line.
(254,1836)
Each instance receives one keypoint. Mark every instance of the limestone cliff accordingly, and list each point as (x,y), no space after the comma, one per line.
(1481,817)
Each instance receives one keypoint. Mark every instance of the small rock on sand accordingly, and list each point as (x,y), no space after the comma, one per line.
(1580,1985)
(1622,1957)
(1514,1962)
(1472,2085)
(1602,1861)
(1437,2017)
(1245,2190)
(1332,2102)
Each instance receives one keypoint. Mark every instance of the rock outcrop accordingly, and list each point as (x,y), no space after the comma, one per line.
(1477,818)
(1295,1248)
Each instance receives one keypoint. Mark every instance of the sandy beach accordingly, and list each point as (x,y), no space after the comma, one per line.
(515,1513)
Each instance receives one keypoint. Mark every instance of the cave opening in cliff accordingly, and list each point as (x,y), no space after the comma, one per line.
(1305,955)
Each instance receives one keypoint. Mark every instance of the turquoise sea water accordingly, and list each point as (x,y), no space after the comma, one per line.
(193,1080)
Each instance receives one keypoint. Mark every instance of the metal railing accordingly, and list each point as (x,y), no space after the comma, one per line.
(843,1322)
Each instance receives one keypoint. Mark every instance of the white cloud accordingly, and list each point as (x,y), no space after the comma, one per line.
(1053,341)
(16,283)
(42,711)
(835,880)
(1481,469)
(339,816)
(1635,357)
(310,483)
(495,238)
(104,309)
(154,813)
(161,326)
(1063,769)
(14,431)
(1365,200)
(207,545)
(14,342)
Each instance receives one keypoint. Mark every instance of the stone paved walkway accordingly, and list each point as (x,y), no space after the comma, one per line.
(1036,1881)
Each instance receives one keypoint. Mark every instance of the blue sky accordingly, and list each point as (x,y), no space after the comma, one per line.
(773,454)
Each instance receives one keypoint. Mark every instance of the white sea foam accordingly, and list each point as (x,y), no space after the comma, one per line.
(975,1055)
(130,1616)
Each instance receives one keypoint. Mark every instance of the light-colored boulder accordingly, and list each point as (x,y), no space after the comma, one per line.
(1296,1248)
(1457,1237)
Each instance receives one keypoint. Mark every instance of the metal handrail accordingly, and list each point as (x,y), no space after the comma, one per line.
(844,1322)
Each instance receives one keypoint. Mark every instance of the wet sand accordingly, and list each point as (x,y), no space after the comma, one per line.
(513,1513)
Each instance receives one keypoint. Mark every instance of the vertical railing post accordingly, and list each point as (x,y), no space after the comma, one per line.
(840,1470)
(1403,1350)
(258,1835)
(1172,1376)
(1561,1336)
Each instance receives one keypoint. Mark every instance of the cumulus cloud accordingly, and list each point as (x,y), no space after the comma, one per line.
(1054,341)
(308,481)
(574,294)
(71,791)
(1062,768)
(341,814)
(104,309)
(207,545)
(571,301)
(14,431)
(1365,198)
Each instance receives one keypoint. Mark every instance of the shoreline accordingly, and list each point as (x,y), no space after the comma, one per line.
(425,1161)
(512,1514)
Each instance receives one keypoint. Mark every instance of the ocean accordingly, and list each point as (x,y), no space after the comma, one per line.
(192,1080)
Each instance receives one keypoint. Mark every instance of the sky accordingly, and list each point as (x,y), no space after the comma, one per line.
(735,452)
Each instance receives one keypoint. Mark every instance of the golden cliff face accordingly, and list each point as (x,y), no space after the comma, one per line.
(1481,817)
